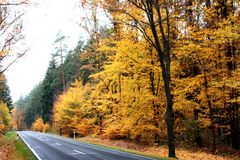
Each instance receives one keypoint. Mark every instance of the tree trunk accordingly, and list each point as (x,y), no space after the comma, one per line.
(208,3)
(233,112)
(169,117)
(62,68)
(211,116)
(156,123)
(234,126)
(161,42)
(198,138)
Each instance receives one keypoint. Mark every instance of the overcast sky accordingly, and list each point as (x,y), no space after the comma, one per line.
(42,22)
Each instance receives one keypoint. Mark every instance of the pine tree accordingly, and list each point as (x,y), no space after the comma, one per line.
(5,92)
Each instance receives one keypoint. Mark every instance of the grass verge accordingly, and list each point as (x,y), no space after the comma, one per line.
(157,151)
(124,149)
(13,148)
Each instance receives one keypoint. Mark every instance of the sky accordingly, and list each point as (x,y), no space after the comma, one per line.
(42,21)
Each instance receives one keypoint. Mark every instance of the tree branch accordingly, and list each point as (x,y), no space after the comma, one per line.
(11,63)
(10,24)
(13,4)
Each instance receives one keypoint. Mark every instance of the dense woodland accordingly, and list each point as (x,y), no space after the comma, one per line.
(161,72)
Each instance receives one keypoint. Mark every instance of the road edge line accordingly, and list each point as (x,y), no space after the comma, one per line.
(36,155)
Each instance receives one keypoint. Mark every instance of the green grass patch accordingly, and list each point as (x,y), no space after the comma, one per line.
(10,135)
(21,149)
(24,151)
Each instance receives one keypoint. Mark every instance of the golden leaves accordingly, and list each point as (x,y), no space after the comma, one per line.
(5,118)
(39,125)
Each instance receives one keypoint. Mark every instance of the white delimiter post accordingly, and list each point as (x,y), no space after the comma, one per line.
(74,134)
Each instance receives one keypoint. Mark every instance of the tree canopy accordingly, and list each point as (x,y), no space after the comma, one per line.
(163,72)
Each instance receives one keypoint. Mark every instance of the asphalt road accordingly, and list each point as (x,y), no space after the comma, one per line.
(51,147)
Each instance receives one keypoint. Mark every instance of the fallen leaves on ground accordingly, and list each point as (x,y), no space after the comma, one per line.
(223,153)
(6,152)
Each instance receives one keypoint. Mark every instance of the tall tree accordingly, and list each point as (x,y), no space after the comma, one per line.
(18,118)
(5,118)
(158,12)
(5,91)
(51,88)
(60,50)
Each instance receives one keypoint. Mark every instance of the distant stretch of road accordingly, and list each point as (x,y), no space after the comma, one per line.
(50,147)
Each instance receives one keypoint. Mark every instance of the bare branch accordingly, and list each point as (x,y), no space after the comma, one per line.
(137,5)
(10,24)
(13,4)
(142,30)
(11,63)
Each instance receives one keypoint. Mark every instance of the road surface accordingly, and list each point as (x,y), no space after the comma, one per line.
(51,147)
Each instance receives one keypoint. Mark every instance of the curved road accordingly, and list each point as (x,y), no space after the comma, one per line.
(50,147)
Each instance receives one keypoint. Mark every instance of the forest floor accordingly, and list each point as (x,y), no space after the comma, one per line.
(223,153)
(13,148)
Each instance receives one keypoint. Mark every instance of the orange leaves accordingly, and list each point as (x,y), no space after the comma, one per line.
(83,127)
(125,97)
(18,118)
(38,125)
(115,132)
(7,152)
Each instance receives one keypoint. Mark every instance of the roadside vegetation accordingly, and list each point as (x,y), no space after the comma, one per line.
(161,73)
(184,153)
(13,148)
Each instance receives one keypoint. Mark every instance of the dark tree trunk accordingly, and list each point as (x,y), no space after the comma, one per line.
(211,116)
(208,3)
(164,58)
(198,138)
(169,118)
(234,125)
(169,115)
(233,107)
(189,12)
(161,42)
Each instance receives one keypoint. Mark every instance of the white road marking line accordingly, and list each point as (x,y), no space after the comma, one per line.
(58,144)
(79,152)
(74,153)
(30,147)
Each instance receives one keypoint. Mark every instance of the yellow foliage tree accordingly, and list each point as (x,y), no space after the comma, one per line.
(18,118)
(127,94)
(167,62)
(206,84)
(5,118)
(70,109)
(46,127)
(39,125)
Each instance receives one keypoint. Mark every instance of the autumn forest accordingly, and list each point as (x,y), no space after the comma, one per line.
(161,72)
